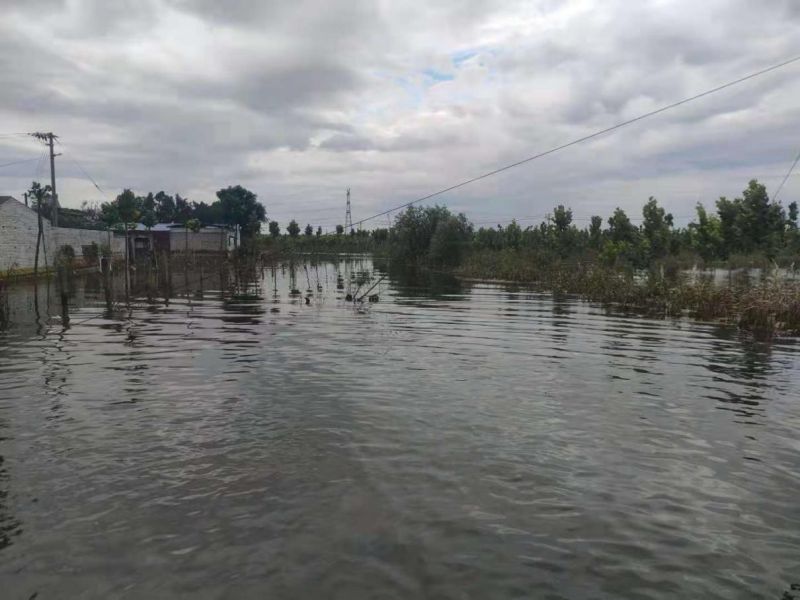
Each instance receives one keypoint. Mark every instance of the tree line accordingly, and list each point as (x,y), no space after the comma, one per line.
(235,205)
(751,225)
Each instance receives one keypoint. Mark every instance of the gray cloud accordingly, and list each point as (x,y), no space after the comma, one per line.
(301,100)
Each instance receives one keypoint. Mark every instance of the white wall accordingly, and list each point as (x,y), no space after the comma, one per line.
(18,232)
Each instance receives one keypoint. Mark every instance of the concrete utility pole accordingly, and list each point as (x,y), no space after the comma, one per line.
(48,138)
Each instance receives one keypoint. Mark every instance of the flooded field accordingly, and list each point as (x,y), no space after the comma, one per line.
(228,438)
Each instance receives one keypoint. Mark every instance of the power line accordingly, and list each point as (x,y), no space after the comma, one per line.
(38,170)
(788,174)
(588,137)
(19,162)
(89,177)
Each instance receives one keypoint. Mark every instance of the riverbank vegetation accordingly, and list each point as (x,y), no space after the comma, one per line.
(614,260)
(636,262)
(749,231)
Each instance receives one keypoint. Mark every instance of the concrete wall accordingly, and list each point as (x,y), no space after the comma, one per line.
(77,238)
(18,232)
(205,240)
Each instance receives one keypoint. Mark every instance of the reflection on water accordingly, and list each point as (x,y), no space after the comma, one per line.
(221,436)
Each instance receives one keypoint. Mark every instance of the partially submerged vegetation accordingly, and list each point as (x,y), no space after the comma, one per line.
(613,261)
(767,306)
(637,267)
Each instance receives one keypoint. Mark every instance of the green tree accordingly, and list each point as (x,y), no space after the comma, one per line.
(183,209)
(339,229)
(319,231)
(109,214)
(309,231)
(148,219)
(752,222)
(165,207)
(595,231)
(380,234)
(656,228)
(416,227)
(729,213)
(512,235)
(148,205)
(192,225)
(128,212)
(127,207)
(562,218)
(620,228)
(449,240)
(707,237)
(274,229)
(240,207)
(293,228)
(207,214)
(792,219)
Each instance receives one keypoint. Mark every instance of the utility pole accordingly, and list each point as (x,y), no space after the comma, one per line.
(25,194)
(48,138)
(348,217)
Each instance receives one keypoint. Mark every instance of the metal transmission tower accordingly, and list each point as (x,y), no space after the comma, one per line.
(348,216)
(48,139)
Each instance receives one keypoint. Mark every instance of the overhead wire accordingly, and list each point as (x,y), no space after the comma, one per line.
(38,169)
(786,178)
(19,162)
(587,137)
(84,171)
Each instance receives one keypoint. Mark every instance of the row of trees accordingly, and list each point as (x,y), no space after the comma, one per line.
(293,229)
(748,225)
(234,206)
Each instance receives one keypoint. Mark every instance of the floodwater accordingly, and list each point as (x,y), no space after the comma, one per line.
(452,440)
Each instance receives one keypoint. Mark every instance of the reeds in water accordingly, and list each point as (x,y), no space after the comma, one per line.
(767,307)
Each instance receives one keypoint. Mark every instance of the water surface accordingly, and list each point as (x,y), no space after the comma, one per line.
(450,441)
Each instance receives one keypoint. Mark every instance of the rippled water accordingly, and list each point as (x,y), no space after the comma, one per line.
(449,441)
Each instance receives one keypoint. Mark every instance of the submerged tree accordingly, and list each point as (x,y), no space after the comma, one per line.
(431,233)
(596,231)
(706,234)
(656,228)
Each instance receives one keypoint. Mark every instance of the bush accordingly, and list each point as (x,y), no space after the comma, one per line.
(91,253)
(66,252)
(432,234)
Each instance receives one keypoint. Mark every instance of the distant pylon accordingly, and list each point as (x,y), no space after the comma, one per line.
(348,217)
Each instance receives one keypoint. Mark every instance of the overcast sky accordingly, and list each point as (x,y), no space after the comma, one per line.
(300,100)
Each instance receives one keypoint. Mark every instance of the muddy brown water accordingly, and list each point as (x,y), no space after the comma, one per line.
(229,440)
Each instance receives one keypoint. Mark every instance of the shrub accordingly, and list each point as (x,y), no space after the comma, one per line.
(91,253)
